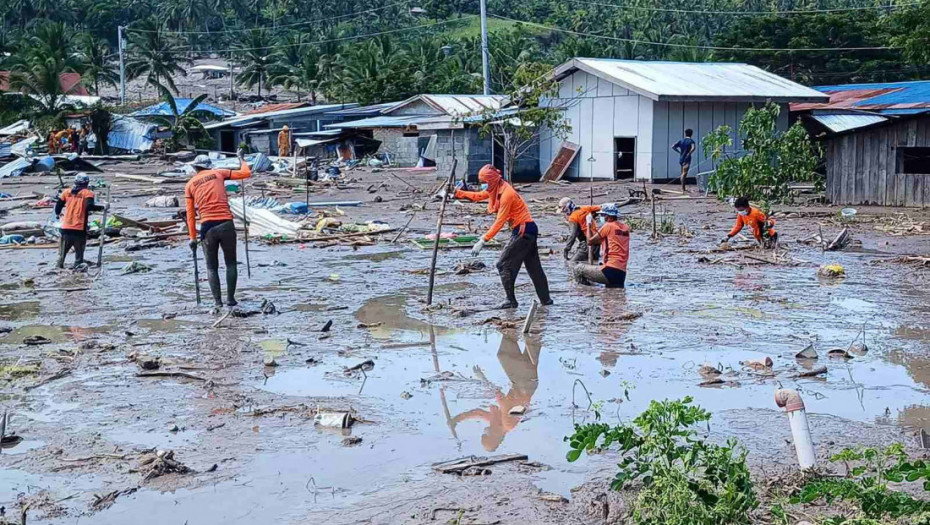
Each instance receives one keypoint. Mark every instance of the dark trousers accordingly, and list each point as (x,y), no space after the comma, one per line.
(76,239)
(221,236)
(611,277)
(522,250)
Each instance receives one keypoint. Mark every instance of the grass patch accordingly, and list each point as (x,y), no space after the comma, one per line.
(15,371)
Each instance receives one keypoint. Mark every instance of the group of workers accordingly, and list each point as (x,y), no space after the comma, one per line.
(205,195)
(69,140)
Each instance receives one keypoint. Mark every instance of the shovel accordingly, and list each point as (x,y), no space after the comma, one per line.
(196,274)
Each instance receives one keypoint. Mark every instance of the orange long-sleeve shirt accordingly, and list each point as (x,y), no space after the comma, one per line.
(578,216)
(206,193)
(756,220)
(512,209)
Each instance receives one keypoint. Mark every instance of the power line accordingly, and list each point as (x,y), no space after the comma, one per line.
(695,46)
(341,39)
(309,22)
(748,13)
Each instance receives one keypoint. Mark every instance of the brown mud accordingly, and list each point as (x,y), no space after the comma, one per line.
(443,384)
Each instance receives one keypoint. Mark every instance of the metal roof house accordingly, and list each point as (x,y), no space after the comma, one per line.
(163,109)
(626,114)
(259,128)
(876,142)
(423,129)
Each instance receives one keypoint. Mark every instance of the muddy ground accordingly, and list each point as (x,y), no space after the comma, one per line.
(443,381)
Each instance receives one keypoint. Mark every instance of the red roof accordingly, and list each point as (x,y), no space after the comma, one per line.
(276,107)
(70,83)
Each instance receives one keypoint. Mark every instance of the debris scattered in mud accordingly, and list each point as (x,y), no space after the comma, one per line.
(807,353)
(35,340)
(460,465)
(136,267)
(832,271)
(405,395)
(466,268)
(838,353)
(364,366)
(351,441)
(160,463)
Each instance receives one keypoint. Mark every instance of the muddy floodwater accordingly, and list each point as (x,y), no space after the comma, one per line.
(447,382)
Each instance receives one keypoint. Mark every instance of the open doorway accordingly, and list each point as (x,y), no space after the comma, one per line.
(624,157)
(228,141)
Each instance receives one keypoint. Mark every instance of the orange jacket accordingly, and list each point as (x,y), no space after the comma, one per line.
(284,143)
(512,208)
(207,191)
(579,215)
(75,217)
(615,245)
(756,220)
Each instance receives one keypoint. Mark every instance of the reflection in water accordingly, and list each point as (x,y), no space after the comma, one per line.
(521,368)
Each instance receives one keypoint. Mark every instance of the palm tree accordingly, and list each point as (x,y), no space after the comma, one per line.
(184,126)
(306,74)
(257,59)
(38,66)
(97,67)
(153,53)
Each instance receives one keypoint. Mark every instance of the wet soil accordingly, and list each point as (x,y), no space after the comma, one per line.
(444,382)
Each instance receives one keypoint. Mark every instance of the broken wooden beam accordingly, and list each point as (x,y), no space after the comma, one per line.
(456,466)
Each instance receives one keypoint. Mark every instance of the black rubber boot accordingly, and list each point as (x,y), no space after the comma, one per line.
(232,278)
(507,280)
(213,277)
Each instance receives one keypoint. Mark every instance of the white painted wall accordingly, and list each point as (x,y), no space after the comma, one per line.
(598,111)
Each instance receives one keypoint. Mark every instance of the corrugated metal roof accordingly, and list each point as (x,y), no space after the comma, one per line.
(162,109)
(382,122)
(131,134)
(14,168)
(271,108)
(17,127)
(247,120)
(693,81)
(838,123)
(894,98)
(5,148)
(454,105)
(361,111)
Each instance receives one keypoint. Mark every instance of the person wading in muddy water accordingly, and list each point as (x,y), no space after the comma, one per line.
(522,249)
(77,203)
(763,228)
(614,238)
(576,216)
(206,193)
(685,148)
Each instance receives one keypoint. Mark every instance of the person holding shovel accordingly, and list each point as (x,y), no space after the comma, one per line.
(763,228)
(577,218)
(614,238)
(522,249)
(77,204)
(205,194)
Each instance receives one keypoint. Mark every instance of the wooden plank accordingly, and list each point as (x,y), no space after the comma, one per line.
(849,175)
(829,154)
(858,171)
(869,149)
(882,136)
(567,153)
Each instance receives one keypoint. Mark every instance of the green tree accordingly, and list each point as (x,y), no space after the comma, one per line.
(911,32)
(772,161)
(42,59)
(155,55)
(304,75)
(256,54)
(97,66)
(184,126)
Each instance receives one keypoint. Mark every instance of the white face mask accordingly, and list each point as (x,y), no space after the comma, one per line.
(743,212)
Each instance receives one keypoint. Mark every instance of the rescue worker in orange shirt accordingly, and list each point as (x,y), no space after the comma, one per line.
(52,142)
(763,228)
(61,135)
(522,249)
(77,204)
(284,142)
(614,238)
(577,218)
(205,195)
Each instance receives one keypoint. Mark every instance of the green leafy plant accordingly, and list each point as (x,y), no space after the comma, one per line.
(868,473)
(184,125)
(772,160)
(685,480)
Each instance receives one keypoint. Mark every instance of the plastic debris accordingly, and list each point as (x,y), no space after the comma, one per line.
(162,201)
(136,267)
(832,270)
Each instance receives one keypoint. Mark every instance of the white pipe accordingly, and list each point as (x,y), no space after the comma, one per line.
(800,430)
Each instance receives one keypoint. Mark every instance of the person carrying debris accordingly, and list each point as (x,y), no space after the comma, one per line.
(577,217)
(614,238)
(77,204)
(284,142)
(206,193)
(60,139)
(763,228)
(522,249)
(685,147)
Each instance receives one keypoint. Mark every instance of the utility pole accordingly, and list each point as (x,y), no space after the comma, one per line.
(231,80)
(485,59)
(122,66)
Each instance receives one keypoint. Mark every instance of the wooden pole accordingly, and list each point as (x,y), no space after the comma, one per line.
(442,211)
(245,223)
(196,275)
(655,233)
(103,232)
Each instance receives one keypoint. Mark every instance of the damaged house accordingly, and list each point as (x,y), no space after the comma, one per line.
(876,142)
(422,130)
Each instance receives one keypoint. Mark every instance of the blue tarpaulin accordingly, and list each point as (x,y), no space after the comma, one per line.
(163,109)
(131,134)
